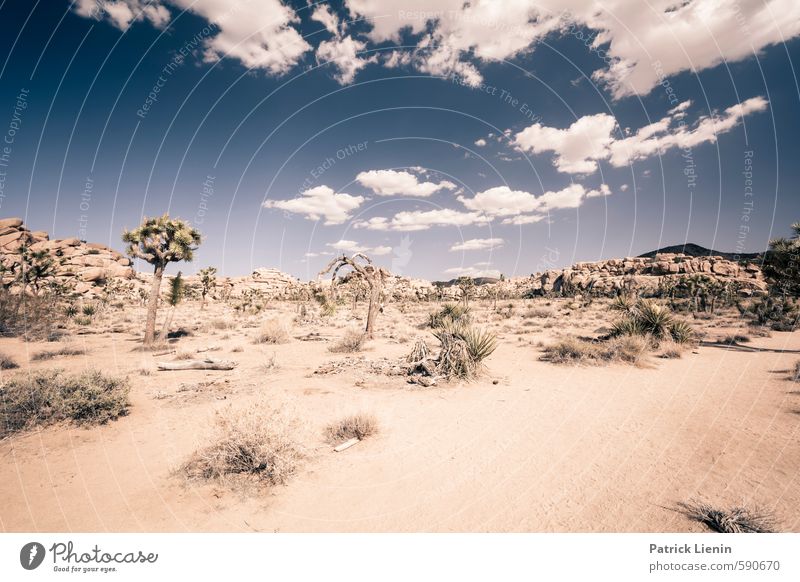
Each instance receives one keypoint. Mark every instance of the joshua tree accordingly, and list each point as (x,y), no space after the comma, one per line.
(782,264)
(208,280)
(372,275)
(160,241)
(467,285)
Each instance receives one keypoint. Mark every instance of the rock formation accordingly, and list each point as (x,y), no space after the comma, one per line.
(81,266)
(86,267)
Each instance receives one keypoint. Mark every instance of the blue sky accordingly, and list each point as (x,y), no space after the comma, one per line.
(443,138)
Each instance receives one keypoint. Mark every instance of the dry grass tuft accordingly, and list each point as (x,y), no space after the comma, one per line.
(255,443)
(273,332)
(7,362)
(734,520)
(356,426)
(796,372)
(352,341)
(63,351)
(671,350)
(632,349)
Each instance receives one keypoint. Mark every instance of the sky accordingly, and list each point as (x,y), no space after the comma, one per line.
(441,138)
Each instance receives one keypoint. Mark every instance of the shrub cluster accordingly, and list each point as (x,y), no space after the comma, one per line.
(48,396)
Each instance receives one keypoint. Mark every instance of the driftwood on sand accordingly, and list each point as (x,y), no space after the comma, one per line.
(205,364)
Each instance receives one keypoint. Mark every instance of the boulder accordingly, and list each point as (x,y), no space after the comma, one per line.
(10,222)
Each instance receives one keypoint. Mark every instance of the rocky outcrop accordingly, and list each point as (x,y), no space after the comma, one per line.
(81,266)
(87,267)
(645,274)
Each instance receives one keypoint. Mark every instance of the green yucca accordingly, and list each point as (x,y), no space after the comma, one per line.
(681,332)
(655,319)
(463,349)
(622,303)
(450,313)
(628,325)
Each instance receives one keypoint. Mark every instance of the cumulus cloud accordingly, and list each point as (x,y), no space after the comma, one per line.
(320,203)
(122,13)
(478,244)
(393,182)
(351,246)
(423,219)
(480,142)
(324,15)
(591,138)
(640,45)
(342,53)
(474,271)
(261,35)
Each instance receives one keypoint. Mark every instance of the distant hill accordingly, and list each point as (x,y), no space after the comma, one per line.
(694,250)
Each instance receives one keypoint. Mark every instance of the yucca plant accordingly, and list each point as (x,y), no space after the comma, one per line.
(622,303)
(655,319)
(681,332)
(463,349)
(450,313)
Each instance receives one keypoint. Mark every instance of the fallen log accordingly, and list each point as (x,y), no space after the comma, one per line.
(346,445)
(206,364)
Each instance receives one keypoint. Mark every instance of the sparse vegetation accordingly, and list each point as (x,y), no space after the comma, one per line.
(62,351)
(273,331)
(648,318)
(352,341)
(253,443)
(355,426)
(7,362)
(632,349)
(734,520)
(48,396)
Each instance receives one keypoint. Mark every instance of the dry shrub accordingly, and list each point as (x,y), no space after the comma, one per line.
(63,351)
(254,443)
(184,355)
(670,350)
(356,426)
(450,313)
(352,341)
(7,362)
(33,318)
(734,520)
(632,349)
(538,313)
(273,332)
(796,372)
(48,396)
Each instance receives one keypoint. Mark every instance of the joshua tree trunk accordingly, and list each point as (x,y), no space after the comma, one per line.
(374,307)
(152,306)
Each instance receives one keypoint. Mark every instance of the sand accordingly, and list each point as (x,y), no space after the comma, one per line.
(531,446)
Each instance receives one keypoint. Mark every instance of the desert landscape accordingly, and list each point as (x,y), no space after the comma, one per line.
(654,393)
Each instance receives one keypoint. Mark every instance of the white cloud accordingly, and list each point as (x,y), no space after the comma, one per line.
(624,188)
(423,219)
(350,246)
(392,182)
(342,53)
(259,34)
(604,190)
(478,244)
(122,13)
(324,15)
(578,148)
(318,203)
(381,250)
(640,44)
(480,142)
(524,219)
(501,201)
(473,271)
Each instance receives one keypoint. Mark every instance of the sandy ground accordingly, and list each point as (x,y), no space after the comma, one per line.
(532,446)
